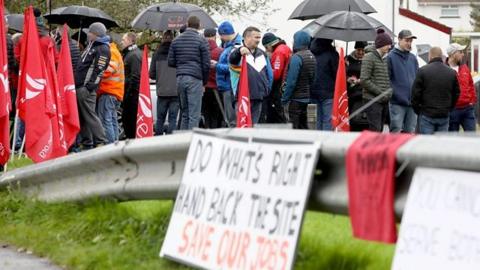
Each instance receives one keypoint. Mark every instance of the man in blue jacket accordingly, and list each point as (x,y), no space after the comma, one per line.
(231,40)
(260,74)
(300,79)
(190,55)
(402,69)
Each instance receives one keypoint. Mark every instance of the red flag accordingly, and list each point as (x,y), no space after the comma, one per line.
(144,111)
(58,134)
(340,99)
(66,87)
(36,100)
(371,161)
(244,115)
(5,102)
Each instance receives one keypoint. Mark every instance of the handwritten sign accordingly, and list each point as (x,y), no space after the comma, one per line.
(240,205)
(441,222)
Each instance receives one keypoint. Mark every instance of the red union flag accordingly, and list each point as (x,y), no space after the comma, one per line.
(35,94)
(340,99)
(244,115)
(66,87)
(144,111)
(5,102)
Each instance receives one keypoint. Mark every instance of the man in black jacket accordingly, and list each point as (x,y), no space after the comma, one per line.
(435,93)
(167,95)
(93,63)
(190,55)
(132,59)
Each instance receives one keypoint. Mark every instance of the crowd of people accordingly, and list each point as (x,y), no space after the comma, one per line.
(197,81)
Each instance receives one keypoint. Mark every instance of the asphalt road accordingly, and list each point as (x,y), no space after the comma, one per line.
(13,259)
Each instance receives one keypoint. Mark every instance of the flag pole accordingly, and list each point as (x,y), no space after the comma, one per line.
(21,148)
(15,124)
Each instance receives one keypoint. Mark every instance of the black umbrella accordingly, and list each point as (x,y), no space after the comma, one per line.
(346,26)
(170,16)
(312,9)
(15,22)
(79,17)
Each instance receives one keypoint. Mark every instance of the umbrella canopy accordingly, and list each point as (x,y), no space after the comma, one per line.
(312,9)
(171,16)
(346,26)
(79,17)
(15,22)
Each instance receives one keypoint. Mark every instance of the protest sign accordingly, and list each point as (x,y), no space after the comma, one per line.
(240,205)
(441,221)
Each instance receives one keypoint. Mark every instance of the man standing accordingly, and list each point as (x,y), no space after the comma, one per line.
(435,93)
(110,94)
(272,111)
(211,104)
(167,95)
(402,67)
(93,63)
(260,75)
(231,41)
(132,59)
(464,112)
(355,89)
(190,55)
(375,81)
(300,78)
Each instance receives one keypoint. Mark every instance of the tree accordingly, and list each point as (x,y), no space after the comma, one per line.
(475,15)
(123,13)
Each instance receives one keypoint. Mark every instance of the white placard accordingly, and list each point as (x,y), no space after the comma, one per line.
(240,205)
(440,227)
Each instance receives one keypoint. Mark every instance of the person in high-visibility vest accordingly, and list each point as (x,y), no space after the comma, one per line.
(110,94)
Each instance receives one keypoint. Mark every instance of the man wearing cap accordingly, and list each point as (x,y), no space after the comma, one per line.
(375,81)
(280,53)
(211,104)
(231,40)
(402,67)
(93,63)
(464,112)
(190,55)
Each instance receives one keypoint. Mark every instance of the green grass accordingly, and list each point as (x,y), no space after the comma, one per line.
(18,163)
(110,235)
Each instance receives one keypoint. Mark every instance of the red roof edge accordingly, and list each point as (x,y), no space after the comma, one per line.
(426,21)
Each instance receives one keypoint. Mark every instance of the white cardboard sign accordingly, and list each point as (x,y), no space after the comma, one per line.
(240,205)
(441,222)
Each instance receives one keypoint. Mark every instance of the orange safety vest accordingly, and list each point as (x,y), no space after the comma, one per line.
(113,80)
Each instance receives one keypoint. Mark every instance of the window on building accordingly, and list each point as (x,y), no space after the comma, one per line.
(449,11)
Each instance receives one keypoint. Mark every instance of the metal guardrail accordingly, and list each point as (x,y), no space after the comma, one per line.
(152,168)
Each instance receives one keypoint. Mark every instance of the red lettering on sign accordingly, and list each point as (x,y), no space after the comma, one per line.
(196,240)
(232,250)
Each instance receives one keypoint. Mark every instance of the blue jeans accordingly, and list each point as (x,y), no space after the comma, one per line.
(165,105)
(402,119)
(190,91)
(20,134)
(256,109)
(107,106)
(464,117)
(428,125)
(324,114)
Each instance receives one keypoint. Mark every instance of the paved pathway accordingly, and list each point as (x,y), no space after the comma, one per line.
(12,259)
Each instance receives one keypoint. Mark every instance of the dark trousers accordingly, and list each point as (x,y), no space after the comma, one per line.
(212,115)
(91,129)
(129,114)
(170,105)
(297,113)
(272,108)
(377,115)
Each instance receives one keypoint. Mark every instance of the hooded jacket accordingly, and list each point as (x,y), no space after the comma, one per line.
(402,69)
(93,63)
(468,95)
(280,59)
(162,73)
(301,70)
(223,65)
(132,59)
(374,75)
(327,65)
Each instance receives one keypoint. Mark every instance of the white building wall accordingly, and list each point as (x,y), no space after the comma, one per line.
(459,24)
